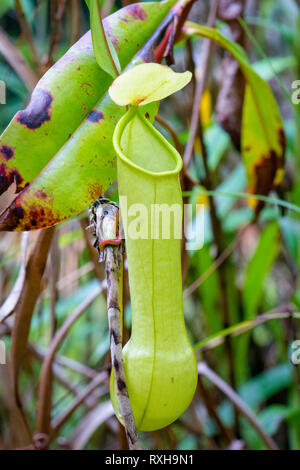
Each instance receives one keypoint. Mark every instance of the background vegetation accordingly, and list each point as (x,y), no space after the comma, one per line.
(246,272)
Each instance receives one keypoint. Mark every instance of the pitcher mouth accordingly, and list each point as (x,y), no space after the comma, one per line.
(121,126)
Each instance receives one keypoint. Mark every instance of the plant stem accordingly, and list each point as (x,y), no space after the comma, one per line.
(27,34)
(236,330)
(177,144)
(106,228)
(214,266)
(113,267)
(212,409)
(238,403)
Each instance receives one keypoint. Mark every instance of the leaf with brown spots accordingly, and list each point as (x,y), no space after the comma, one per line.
(263,139)
(68,159)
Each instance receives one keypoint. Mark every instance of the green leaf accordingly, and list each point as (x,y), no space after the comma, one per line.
(217,142)
(267,69)
(259,267)
(68,159)
(5,5)
(271,419)
(273,415)
(290,228)
(267,384)
(146,83)
(261,388)
(104,50)
(236,181)
(208,290)
(263,138)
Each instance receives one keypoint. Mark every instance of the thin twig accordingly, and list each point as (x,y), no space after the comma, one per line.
(17,61)
(216,264)
(106,230)
(97,267)
(89,424)
(212,268)
(212,409)
(27,34)
(178,145)
(238,403)
(57,8)
(60,361)
(75,13)
(64,361)
(202,71)
(80,398)
(31,290)
(193,424)
(72,278)
(53,280)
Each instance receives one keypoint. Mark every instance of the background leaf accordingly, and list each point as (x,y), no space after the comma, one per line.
(104,50)
(5,5)
(259,266)
(263,138)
